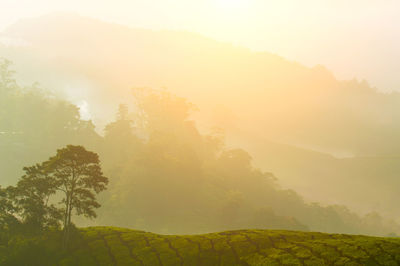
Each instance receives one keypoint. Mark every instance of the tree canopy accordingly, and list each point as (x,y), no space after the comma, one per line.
(166,174)
(51,192)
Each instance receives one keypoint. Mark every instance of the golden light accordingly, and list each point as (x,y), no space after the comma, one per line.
(231,4)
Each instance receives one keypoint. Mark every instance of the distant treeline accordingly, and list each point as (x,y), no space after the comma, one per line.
(165,176)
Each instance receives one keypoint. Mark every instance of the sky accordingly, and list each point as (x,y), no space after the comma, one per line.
(353,38)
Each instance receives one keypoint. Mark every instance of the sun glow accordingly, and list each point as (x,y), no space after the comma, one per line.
(231,4)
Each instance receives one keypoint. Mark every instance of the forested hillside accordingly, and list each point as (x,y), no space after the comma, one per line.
(180,133)
(165,175)
(281,112)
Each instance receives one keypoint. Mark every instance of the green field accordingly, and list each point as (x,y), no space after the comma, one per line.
(115,246)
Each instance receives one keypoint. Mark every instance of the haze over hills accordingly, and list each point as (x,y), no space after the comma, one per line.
(291,118)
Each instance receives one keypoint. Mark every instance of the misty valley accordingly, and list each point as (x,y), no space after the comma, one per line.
(141,147)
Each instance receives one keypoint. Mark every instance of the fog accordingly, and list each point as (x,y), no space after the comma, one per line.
(198,135)
(354,39)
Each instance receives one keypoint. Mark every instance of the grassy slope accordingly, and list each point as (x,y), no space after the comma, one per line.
(115,246)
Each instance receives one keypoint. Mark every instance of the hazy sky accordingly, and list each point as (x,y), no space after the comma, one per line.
(358,38)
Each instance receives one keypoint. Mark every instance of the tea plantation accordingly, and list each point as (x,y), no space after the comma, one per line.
(115,246)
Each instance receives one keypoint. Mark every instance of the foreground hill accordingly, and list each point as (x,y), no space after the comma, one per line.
(115,246)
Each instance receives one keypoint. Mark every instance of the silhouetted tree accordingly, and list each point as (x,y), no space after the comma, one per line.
(31,196)
(77,174)
(73,171)
(7,211)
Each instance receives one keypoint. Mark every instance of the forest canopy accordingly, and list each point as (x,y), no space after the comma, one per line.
(165,175)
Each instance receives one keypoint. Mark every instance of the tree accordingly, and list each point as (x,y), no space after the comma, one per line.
(7,211)
(162,111)
(77,174)
(73,171)
(32,197)
(34,122)
(6,75)
(120,142)
(122,127)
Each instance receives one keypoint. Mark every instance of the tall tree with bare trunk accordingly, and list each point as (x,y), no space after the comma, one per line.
(78,175)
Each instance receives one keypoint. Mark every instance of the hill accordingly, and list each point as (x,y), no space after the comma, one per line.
(325,178)
(258,92)
(264,103)
(236,88)
(116,246)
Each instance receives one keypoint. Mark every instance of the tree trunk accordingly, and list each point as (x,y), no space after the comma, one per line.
(66,223)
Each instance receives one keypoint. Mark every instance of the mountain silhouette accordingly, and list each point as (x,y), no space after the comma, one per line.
(293,119)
